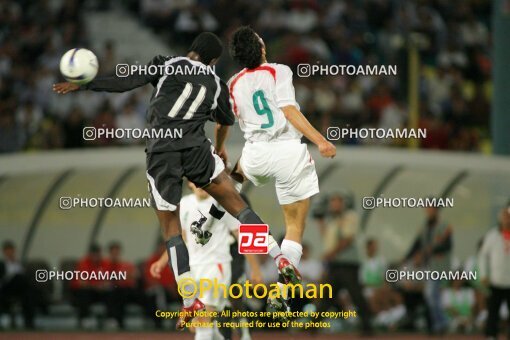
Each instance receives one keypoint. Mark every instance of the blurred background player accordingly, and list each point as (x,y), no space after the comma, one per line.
(263,99)
(15,286)
(123,292)
(434,243)
(480,290)
(186,101)
(210,261)
(340,232)
(159,291)
(88,292)
(372,273)
(413,295)
(385,304)
(459,301)
(494,266)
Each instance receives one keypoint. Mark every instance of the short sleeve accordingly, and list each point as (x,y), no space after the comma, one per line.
(285,94)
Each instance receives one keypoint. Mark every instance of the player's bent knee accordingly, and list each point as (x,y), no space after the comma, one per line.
(222,177)
(237,174)
(169,222)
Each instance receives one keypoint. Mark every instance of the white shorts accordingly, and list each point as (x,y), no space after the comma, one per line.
(288,162)
(222,273)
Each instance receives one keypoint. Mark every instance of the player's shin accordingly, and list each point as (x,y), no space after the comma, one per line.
(179,263)
(248,216)
(274,249)
(216,210)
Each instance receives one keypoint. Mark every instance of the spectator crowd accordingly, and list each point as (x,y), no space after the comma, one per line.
(33,37)
(454,83)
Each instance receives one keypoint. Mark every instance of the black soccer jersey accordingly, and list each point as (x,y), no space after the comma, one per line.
(186,94)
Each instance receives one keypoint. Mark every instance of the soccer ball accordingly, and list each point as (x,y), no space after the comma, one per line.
(79,65)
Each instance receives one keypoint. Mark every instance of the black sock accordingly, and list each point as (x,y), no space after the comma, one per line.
(178,255)
(248,216)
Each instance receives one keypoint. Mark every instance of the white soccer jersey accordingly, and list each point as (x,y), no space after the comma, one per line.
(217,250)
(257,95)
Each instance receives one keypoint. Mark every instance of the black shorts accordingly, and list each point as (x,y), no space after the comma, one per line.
(165,171)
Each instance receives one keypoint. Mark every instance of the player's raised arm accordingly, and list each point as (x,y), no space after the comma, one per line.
(285,99)
(299,121)
(115,83)
(220,136)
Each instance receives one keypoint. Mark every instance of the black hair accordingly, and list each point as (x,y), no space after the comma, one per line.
(8,244)
(347,196)
(370,241)
(208,46)
(246,48)
(114,244)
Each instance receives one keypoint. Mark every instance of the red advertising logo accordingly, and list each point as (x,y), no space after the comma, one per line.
(253,238)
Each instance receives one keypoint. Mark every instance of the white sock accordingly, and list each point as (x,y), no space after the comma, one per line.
(274,250)
(204,333)
(293,251)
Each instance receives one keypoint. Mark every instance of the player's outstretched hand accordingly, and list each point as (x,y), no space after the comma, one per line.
(65,87)
(156,269)
(327,149)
